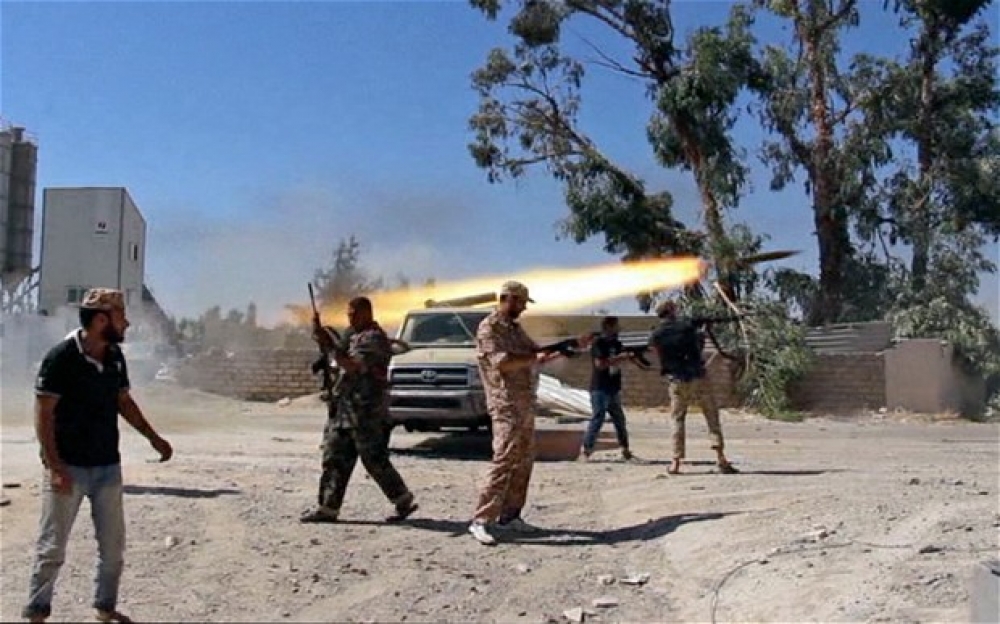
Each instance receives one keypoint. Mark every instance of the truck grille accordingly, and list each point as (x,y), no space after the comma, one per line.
(439,403)
(430,377)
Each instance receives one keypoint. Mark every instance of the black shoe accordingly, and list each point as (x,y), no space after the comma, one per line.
(402,513)
(318,515)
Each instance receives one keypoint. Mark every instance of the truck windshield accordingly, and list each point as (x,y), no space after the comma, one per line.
(442,328)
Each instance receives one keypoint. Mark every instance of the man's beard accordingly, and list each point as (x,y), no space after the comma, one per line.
(111,335)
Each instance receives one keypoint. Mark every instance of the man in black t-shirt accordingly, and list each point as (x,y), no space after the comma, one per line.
(607,355)
(82,386)
(679,342)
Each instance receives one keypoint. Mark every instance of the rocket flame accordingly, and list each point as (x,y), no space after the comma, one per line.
(554,290)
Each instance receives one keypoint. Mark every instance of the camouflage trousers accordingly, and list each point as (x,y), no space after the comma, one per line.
(506,490)
(682,395)
(342,447)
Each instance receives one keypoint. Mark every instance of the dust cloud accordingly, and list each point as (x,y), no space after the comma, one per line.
(266,251)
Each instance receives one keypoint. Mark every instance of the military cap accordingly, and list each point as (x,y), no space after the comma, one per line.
(665,307)
(106,299)
(516,289)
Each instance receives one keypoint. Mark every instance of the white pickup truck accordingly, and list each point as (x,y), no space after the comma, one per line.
(436,384)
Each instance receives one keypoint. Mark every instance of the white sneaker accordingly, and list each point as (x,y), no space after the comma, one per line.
(518,525)
(478,530)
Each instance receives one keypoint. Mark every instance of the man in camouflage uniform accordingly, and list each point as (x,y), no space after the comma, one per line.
(679,342)
(359,415)
(508,360)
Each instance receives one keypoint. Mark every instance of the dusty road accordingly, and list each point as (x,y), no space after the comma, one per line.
(831,520)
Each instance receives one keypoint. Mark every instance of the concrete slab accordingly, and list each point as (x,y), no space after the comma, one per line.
(563,444)
(984,592)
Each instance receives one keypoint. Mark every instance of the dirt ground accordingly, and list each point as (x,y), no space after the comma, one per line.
(872,518)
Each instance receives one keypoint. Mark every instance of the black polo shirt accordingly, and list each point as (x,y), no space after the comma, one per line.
(86,415)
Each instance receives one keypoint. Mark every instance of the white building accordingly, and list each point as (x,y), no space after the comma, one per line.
(91,237)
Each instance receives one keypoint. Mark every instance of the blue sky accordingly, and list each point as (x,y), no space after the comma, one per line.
(254,136)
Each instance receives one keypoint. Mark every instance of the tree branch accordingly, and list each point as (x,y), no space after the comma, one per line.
(611,63)
(588,9)
(845,9)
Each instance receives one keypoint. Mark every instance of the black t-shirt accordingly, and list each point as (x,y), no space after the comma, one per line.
(679,344)
(86,415)
(605,379)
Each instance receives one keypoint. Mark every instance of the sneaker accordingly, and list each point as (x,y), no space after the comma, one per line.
(627,455)
(585,455)
(518,525)
(478,531)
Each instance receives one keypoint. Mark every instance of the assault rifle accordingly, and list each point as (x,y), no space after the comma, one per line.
(327,346)
(572,347)
(569,347)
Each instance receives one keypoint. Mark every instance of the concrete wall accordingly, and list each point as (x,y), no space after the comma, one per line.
(925,376)
(132,251)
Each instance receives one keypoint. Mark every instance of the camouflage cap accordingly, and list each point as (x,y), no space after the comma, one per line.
(106,299)
(667,306)
(516,289)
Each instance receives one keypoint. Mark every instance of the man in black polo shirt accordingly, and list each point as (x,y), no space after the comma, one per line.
(81,388)
(605,387)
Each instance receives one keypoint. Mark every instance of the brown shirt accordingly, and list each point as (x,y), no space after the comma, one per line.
(497,339)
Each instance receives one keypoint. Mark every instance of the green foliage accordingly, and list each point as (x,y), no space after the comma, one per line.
(809,106)
(779,357)
(530,100)
(940,102)
(694,115)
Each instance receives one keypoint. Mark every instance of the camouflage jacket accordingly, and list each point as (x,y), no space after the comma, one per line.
(364,394)
(497,339)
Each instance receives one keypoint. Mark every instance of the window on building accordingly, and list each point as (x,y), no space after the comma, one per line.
(134,252)
(74,294)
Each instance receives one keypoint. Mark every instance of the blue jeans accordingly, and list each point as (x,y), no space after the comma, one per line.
(601,404)
(103,486)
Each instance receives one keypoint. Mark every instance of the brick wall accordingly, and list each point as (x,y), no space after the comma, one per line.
(840,382)
(836,383)
(254,375)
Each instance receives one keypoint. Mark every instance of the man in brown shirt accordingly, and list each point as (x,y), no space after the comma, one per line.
(508,360)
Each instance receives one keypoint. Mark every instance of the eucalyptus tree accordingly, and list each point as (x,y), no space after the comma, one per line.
(812,106)
(939,104)
(530,98)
